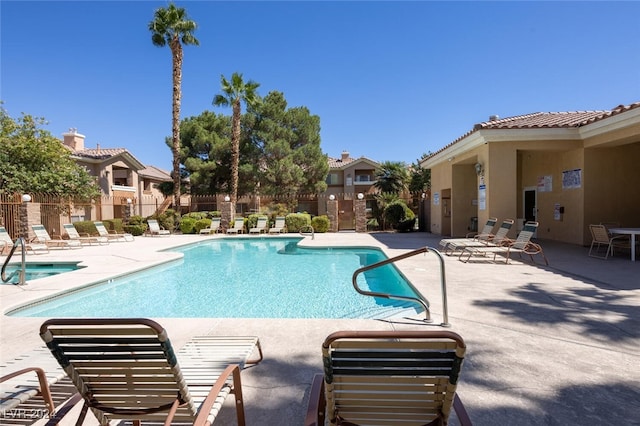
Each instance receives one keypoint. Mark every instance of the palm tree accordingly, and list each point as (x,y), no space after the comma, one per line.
(392,177)
(171,26)
(233,93)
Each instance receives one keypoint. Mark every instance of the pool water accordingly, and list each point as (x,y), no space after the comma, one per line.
(34,271)
(244,278)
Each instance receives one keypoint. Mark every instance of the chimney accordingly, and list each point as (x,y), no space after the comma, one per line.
(73,139)
(345,156)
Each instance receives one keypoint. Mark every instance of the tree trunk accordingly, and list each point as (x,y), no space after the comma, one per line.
(176,50)
(235,150)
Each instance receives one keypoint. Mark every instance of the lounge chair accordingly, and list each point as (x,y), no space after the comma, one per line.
(522,245)
(213,228)
(43,237)
(112,235)
(279,226)
(261,226)
(388,378)
(126,369)
(156,229)
(238,226)
(600,236)
(449,245)
(493,240)
(74,235)
(27,381)
(6,244)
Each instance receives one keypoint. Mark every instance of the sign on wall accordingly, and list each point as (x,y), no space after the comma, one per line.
(482,197)
(572,179)
(545,183)
(436,199)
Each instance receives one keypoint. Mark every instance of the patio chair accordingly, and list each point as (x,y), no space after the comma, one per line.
(6,244)
(600,236)
(493,240)
(28,386)
(388,378)
(261,226)
(126,369)
(156,230)
(42,236)
(279,226)
(521,245)
(213,228)
(238,226)
(453,244)
(74,235)
(111,234)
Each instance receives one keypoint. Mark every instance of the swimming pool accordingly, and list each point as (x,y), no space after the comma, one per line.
(36,270)
(239,277)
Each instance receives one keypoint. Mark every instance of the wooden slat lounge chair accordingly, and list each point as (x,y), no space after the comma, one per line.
(156,230)
(261,226)
(42,237)
(126,369)
(25,379)
(214,228)
(451,244)
(279,226)
(388,378)
(112,235)
(87,239)
(522,245)
(238,226)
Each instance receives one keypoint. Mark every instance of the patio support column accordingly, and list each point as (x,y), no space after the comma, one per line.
(360,208)
(332,213)
(226,213)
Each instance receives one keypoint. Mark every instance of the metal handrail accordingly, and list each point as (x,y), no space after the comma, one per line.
(420,300)
(22,277)
(306,229)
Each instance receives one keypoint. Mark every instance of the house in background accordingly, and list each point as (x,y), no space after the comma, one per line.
(565,170)
(122,178)
(348,177)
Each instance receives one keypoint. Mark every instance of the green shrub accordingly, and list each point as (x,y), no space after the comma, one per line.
(136,220)
(396,212)
(187,225)
(167,220)
(201,224)
(195,215)
(85,227)
(320,223)
(407,225)
(135,229)
(295,221)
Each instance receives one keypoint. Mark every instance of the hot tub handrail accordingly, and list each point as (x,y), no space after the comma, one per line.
(22,276)
(424,302)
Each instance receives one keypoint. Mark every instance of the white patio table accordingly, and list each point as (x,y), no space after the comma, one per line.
(628,231)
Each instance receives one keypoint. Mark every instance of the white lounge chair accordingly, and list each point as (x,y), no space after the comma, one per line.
(238,226)
(261,226)
(449,245)
(43,237)
(279,226)
(156,229)
(6,244)
(74,235)
(112,235)
(213,228)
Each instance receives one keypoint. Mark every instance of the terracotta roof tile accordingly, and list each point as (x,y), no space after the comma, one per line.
(538,120)
(99,154)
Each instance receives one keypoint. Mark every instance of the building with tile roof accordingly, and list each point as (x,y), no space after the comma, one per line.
(564,170)
(348,177)
(120,175)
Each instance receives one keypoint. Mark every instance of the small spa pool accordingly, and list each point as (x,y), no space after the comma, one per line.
(37,270)
(243,277)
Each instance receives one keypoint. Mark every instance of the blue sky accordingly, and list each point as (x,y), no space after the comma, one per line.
(389,80)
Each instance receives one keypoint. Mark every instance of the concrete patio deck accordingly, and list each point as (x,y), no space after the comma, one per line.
(557,344)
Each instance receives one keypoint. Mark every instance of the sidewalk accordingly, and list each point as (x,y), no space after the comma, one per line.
(557,344)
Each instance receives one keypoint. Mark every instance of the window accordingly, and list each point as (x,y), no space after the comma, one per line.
(333,179)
